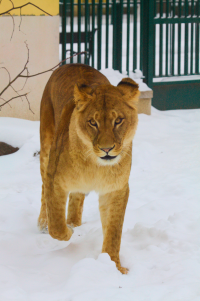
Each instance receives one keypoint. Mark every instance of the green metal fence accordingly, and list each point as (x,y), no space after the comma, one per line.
(174,26)
(159,37)
(113,36)
(171,65)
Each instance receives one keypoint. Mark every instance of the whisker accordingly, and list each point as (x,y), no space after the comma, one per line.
(89,153)
(127,154)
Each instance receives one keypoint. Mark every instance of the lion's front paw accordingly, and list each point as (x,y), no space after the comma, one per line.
(61,235)
(123,270)
(43,226)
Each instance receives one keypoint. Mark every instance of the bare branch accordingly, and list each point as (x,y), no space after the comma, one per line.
(13,26)
(12,3)
(28,76)
(7,72)
(25,67)
(21,21)
(2,97)
(27,61)
(25,81)
(16,92)
(7,101)
(29,103)
(53,68)
(19,7)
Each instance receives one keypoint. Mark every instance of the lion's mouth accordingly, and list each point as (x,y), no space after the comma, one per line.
(107,157)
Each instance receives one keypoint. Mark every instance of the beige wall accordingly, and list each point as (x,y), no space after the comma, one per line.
(42,36)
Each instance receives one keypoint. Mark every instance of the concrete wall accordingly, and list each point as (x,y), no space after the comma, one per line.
(41,34)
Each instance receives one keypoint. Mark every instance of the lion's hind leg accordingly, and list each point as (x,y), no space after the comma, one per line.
(75,209)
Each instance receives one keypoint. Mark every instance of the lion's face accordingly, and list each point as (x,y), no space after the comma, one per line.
(106,119)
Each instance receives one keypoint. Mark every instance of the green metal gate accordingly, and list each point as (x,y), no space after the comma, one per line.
(172,52)
(112,34)
(159,37)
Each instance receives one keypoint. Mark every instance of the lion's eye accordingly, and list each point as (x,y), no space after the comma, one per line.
(93,123)
(118,121)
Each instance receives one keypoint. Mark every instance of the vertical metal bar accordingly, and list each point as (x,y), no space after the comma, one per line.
(141,35)
(161,8)
(148,42)
(173,40)
(128,37)
(79,30)
(99,35)
(114,33)
(192,8)
(172,48)
(197,39)
(107,32)
(186,40)
(161,41)
(89,29)
(179,39)
(135,36)
(117,28)
(167,38)
(191,48)
(72,30)
(64,18)
(155,15)
(119,37)
(153,42)
(155,53)
(152,48)
(86,31)
(197,59)
(93,30)
(155,7)
(192,40)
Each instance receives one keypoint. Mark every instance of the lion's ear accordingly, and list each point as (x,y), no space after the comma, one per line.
(82,94)
(130,90)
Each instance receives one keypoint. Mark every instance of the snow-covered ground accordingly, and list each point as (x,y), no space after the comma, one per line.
(161,234)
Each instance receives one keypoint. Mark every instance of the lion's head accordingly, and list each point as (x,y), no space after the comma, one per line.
(106,118)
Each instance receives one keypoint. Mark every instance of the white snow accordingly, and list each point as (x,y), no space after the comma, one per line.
(161,234)
(115,77)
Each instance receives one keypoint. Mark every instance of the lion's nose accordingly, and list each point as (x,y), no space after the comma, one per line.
(106,150)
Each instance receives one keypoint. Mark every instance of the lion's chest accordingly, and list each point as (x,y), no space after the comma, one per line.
(100,180)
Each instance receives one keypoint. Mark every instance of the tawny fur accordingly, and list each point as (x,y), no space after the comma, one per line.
(82,114)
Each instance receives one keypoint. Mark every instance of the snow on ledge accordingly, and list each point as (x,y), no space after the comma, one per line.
(114,76)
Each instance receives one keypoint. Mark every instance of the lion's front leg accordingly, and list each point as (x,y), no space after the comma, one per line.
(112,209)
(56,198)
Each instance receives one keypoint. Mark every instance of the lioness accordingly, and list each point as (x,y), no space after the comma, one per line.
(86,131)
